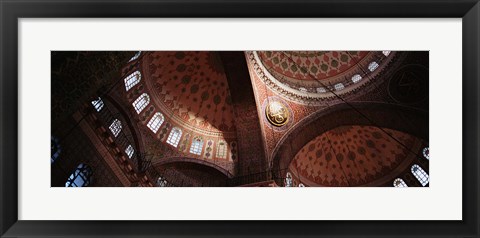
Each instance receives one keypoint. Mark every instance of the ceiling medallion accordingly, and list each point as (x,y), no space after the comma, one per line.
(277,113)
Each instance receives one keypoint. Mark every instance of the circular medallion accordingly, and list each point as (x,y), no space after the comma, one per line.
(409,84)
(277,113)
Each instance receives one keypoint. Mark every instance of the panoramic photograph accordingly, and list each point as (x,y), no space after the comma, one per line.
(240,119)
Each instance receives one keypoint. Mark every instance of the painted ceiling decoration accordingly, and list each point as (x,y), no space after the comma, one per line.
(354,156)
(308,77)
(191,108)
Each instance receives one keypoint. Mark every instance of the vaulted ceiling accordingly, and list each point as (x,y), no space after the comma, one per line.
(355,156)
(191,88)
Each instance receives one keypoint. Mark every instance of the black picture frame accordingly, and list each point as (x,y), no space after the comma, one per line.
(12,10)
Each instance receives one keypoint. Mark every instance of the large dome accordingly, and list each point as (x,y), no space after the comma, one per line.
(354,156)
(309,76)
(191,88)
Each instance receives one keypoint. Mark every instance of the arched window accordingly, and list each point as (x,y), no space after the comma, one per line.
(156,121)
(141,102)
(116,127)
(373,66)
(129,151)
(288,180)
(301,185)
(135,56)
(321,90)
(161,182)
(420,174)
(426,153)
(222,150)
(98,104)
(55,150)
(81,177)
(132,80)
(399,183)
(174,137)
(386,53)
(339,86)
(356,78)
(197,145)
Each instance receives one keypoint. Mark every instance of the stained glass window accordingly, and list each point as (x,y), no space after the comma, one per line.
(81,177)
(55,149)
(373,66)
(141,102)
(98,104)
(129,151)
(116,127)
(399,183)
(426,153)
(302,89)
(156,121)
(132,80)
(222,150)
(356,78)
(288,180)
(174,137)
(420,174)
(321,90)
(197,145)
(339,86)
(161,182)
(135,56)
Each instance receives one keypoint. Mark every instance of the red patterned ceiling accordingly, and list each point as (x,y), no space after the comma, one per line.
(353,156)
(192,89)
(310,65)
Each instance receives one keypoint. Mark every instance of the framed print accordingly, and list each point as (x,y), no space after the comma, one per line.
(280,118)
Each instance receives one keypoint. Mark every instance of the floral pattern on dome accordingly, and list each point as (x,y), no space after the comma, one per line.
(353,155)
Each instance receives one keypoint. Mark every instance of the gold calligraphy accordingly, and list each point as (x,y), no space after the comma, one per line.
(276,113)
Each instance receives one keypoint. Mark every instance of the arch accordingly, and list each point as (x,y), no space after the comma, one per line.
(133,128)
(156,122)
(426,153)
(176,159)
(420,175)
(197,146)
(174,136)
(221,149)
(141,102)
(399,183)
(392,116)
(132,80)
